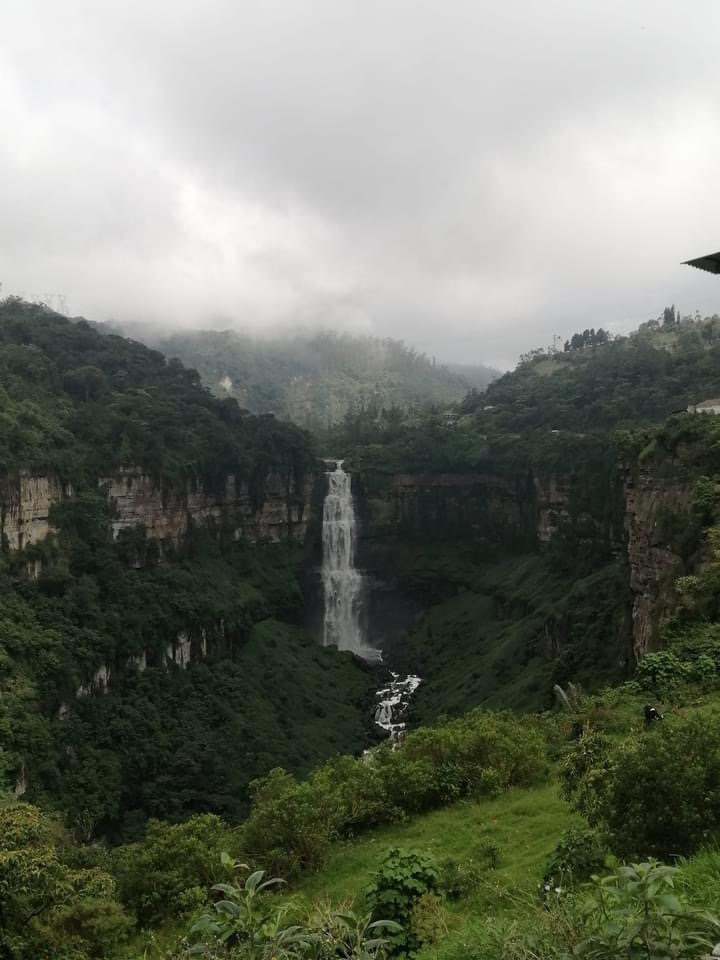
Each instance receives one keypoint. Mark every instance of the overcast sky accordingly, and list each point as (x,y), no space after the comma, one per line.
(471,176)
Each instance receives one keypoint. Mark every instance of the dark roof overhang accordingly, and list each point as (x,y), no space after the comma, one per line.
(710,262)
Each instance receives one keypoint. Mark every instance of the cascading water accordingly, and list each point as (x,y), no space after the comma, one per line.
(393,701)
(343,588)
(342,584)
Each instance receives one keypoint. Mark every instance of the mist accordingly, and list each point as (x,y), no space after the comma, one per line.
(471,177)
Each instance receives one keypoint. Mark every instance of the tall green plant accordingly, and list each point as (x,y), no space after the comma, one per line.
(249,924)
(403,878)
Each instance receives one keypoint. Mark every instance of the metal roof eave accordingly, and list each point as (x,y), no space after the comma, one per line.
(710,262)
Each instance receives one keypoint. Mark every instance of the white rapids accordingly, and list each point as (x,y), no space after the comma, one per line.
(343,584)
(393,702)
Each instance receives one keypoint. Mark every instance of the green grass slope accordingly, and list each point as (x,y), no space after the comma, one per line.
(513,629)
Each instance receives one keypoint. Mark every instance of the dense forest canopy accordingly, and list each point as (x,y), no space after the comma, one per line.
(552,406)
(78,403)
(160,741)
(314,379)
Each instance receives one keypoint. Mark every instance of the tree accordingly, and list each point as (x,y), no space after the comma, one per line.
(45,902)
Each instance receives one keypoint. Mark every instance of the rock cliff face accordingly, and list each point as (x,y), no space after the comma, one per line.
(269,509)
(25,502)
(525,510)
(188,646)
(444,506)
(653,564)
(479,516)
(482,508)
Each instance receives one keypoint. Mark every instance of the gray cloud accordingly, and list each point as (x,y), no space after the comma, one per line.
(471,176)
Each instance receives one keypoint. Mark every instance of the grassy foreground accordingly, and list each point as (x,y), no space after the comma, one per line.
(524,824)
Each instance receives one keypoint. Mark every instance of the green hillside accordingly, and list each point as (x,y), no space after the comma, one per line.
(314,379)
(127,802)
(159,740)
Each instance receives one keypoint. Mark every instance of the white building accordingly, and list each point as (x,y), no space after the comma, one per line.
(707,406)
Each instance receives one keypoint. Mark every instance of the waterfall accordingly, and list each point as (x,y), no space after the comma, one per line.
(342,583)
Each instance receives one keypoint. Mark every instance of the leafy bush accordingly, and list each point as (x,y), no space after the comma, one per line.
(247,924)
(168,873)
(634,914)
(428,919)
(579,854)
(48,904)
(582,771)
(460,878)
(656,795)
(661,672)
(292,824)
(403,878)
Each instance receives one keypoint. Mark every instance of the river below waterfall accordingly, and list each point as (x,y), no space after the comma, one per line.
(393,701)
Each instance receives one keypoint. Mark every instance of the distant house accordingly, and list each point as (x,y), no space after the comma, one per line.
(707,406)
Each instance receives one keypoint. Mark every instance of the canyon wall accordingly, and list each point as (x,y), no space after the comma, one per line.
(185,648)
(654,560)
(267,508)
(638,521)
(422,535)
(479,508)
(25,502)
(522,510)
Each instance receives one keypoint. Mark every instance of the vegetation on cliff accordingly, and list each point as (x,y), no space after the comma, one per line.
(314,379)
(79,404)
(100,716)
(479,835)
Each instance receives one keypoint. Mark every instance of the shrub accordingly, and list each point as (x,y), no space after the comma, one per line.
(478,755)
(661,672)
(48,905)
(292,824)
(428,919)
(247,923)
(357,791)
(168,873)
(578,855)
(401,880)
(660,794)
(583,767)
(634,914)
(460,878)
(491,854)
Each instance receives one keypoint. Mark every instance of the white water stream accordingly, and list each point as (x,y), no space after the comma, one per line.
(343,585)
(343,590)
(393,702)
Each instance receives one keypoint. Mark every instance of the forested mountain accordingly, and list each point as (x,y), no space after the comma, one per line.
(162,703)
(552,400)
(543,455)
(314,379)
(113,459)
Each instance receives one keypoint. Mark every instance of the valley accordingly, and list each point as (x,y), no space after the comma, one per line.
(221,633)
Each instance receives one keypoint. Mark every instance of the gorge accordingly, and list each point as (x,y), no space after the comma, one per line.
(166,555)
